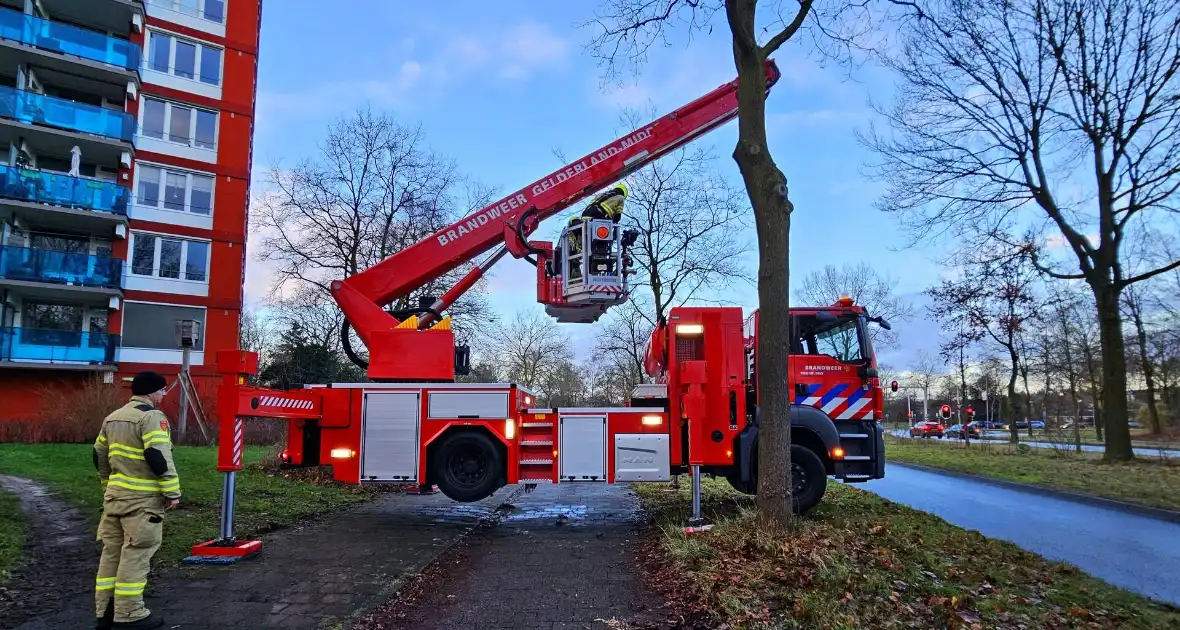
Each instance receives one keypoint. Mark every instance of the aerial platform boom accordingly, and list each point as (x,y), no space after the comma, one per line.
(415,346)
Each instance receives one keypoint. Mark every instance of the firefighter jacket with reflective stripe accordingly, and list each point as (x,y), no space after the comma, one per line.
(133,455)
(608,205)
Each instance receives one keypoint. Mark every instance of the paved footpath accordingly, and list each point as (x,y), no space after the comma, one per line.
(563,557)
(318,575)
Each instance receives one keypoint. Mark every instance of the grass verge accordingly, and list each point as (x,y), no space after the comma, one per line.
(859,561)
(1143,481)
(266,499)
(12,533)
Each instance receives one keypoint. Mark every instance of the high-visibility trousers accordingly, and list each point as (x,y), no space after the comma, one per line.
(128,543)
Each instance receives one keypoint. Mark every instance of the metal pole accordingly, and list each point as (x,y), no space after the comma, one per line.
(925,403)
(909,410)
(696,496)
(182,420)
(227,507)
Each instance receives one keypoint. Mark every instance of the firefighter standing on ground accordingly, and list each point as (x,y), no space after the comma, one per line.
(608,205)
(133,456)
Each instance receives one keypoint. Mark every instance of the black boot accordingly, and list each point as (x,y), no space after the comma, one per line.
(104,622)
(151,621)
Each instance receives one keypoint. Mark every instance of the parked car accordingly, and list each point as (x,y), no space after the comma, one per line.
(963,431)
(927,429)
(1023,424)
(991,425)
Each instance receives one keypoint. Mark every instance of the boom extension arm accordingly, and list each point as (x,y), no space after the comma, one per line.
(362,296)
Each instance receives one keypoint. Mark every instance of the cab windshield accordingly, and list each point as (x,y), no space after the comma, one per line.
(841,337)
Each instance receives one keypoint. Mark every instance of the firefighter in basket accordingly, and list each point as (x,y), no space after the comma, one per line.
(608,205)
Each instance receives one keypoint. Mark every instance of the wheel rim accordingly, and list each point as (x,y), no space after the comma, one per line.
(798,479)
(467,467)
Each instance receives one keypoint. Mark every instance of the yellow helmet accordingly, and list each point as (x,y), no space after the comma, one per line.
(623,187)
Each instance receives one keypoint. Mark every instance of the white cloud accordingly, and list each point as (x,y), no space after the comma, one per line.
(515,53)
(1057,241)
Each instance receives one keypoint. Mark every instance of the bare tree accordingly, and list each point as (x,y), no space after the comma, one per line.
(1133,302)
(563,385)
(372,190)
(874,291)
(1059,113)
(624,32)
(927,370)
(254,333)
(621,342)
(1064,317)
(529,347)
(690,222)
(994,300)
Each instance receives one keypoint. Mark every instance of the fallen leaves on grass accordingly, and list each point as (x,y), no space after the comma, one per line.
(858,561)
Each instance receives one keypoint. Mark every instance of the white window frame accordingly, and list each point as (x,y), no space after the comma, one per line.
(192,143)
(175,5)
(160,237)
(171,71)
(188,188)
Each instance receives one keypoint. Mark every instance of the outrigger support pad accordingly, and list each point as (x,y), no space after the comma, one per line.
(697,523)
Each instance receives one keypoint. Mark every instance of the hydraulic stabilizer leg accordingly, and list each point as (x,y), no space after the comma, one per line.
(697,522)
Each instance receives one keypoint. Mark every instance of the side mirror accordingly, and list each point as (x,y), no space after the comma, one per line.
(880,321)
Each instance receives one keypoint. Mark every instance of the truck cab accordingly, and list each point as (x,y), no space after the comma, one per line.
(837,400)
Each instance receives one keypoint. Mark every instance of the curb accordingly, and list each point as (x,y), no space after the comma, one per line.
(393,588)
(1171,516)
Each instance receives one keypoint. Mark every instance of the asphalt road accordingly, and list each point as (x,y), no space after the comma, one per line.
(1001,437)
(1135,552)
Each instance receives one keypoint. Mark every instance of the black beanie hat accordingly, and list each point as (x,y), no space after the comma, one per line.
(146,383)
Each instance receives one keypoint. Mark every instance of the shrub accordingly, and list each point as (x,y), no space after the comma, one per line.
(69,414)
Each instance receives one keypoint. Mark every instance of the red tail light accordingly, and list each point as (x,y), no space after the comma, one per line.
(284,455)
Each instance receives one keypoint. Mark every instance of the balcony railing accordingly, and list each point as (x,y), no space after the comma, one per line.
(42,109)
(57,346)
(70,40)
(59,189)
(63,268)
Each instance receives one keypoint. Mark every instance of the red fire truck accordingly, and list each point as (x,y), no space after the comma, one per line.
(415,424)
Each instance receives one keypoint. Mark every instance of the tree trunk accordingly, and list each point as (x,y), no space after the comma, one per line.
(1095,394)
(767,188)
(1009,402)
(1153,414)
(1071,375)
(1114,371)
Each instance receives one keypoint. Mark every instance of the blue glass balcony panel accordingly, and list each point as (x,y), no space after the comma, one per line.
(79,270)
(68,39)
(42,109)
(57,346)
(59,189)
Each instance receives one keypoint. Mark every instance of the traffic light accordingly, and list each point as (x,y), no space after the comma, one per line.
(945,412)
(970,413)
(893,386)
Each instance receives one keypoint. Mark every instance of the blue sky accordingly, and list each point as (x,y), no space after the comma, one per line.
(500,86)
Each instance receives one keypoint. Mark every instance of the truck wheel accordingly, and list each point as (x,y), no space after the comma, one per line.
(466,466)
(808,479)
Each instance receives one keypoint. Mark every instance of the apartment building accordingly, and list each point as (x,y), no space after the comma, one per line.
(125,156)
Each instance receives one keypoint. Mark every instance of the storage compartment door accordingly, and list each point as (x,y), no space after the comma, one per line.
(390,447)
(583,448)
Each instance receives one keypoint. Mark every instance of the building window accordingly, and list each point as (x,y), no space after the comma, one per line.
(184,58)
(173,189)
(44,316)
(169,257)
(178,123)
(154,325)
(212,10)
